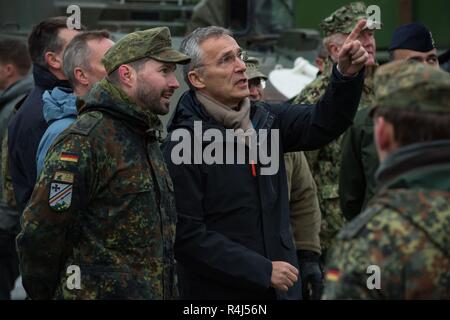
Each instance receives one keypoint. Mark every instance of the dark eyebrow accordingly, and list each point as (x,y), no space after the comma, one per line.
(230,52)
(433,55)
(415,58)
(171,66)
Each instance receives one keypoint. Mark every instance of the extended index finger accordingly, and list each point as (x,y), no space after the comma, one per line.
(356,30)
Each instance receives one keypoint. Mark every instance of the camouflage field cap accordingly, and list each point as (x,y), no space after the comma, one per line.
(152,43)
(344,19)
(253,71)
(412,86)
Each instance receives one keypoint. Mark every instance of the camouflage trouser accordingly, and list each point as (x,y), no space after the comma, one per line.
(332,222)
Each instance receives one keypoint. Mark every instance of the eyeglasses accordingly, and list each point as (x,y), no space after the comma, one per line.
(228,59)
(257,82)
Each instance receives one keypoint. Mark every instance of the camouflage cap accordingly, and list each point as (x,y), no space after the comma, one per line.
(412,86)
(344,19)
(253,71)
(152,43)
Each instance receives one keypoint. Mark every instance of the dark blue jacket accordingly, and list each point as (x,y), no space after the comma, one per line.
(233,221)
(25,131)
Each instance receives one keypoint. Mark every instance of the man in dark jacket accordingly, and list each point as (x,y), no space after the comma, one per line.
(16,82)
(46,45)
(233,235)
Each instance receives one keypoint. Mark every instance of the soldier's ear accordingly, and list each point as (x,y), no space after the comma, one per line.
(127,75)
(196,79)
(384,135)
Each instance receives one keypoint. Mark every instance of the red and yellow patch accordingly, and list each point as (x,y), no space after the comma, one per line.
(333,275)
(67,156)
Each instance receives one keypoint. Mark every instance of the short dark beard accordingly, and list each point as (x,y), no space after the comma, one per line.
(149,97)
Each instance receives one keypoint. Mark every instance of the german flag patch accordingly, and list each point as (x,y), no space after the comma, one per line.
(333,275)
(68,156)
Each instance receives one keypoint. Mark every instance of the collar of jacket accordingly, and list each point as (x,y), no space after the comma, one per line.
(47,80)
(421,165)
(58,103)
(189,109)
(109,99)
(22,86)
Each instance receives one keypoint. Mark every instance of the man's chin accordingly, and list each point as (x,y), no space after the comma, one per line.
(164,108)
(242,94)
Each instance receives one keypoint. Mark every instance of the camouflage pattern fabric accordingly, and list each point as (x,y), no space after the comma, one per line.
(103,202)
(404,230)
(253,71)
(153,43)
(344,19)
(412,86)
(404,233)
(324,163)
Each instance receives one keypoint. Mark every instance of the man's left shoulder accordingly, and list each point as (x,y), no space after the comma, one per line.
(355,228)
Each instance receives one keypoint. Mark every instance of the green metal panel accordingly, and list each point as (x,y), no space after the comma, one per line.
(434,14)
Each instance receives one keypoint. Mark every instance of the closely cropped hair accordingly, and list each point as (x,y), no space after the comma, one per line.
(414,127)
(44,38)
(15,52)
(78,53)
(137,65)
(191,46)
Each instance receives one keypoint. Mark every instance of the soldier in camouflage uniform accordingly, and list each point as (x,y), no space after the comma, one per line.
(404,230)
(104,200)
(359,159)
(324,162)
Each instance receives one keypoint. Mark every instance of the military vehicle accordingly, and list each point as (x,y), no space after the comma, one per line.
(265,28)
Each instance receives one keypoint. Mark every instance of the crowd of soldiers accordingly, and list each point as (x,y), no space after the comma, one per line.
(363,181)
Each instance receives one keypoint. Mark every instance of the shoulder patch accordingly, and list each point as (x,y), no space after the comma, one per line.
(63,176)
(82,126)
(86,123)
(60,196)
(69,156)
(353,228)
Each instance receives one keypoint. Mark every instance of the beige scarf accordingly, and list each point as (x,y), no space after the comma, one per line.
(230,118)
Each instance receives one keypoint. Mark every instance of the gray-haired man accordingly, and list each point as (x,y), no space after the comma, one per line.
(233,236)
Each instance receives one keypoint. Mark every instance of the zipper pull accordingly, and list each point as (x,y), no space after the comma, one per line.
(253,168)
